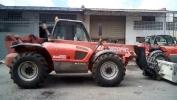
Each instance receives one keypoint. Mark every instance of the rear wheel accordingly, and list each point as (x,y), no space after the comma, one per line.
(29,70)
(160,56)
(108,70)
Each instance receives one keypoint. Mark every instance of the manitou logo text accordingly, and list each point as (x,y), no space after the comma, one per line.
(60,56)
(120,49)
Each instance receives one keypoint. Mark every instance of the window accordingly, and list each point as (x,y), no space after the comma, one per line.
(175,19)
(145,25)
(14,22)
(148,18)
(70,31)
(171,25)
(170,40)
(161,40)
(14,16)
(140,39)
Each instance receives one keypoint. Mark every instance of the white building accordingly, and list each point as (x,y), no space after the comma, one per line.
(129,25)
(126,25)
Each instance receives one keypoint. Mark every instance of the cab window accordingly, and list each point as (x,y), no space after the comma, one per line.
(170,40)
(165,40)
(70,31)
(149,39)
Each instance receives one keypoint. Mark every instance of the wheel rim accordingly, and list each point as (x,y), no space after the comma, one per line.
(160,58)
(27,71)
(109,70)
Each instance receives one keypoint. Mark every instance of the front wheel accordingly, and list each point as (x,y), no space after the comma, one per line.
(108,70)
(29,70)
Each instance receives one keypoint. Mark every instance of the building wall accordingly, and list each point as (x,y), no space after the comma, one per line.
(131,34)
(79,17)
(36,23)
(86,20)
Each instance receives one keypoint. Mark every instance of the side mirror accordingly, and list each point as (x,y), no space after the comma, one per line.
(99,29)
(100,33)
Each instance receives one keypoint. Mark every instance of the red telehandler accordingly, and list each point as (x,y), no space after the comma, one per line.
(69,49)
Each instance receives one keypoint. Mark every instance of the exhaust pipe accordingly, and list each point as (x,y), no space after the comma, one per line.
(44,26)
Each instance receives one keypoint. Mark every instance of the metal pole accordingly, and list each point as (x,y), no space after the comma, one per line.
(173,26)
(164,24)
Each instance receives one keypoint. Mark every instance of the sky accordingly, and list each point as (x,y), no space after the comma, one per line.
(116,4)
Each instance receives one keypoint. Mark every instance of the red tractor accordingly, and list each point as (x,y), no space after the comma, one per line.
(160,47)
(68,49)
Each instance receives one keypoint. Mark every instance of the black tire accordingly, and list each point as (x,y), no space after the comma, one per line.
(102,77)
(29,70)
(160,56)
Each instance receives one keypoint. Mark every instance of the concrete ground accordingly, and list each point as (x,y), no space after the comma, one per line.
(135,86)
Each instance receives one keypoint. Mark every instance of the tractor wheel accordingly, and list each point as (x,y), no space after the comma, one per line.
(29,70)
(160,56)
(108,70)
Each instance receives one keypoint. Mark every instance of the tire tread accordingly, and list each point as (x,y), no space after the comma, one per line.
(95,65)
(42,61)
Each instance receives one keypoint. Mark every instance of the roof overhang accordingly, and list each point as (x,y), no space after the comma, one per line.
(92,11)
(37,8)
(128,12)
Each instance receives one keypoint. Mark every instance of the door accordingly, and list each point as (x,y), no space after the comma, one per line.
(113,27)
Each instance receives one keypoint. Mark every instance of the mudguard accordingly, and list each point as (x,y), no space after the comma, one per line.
(153,52)
(26,44)
(100,53)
